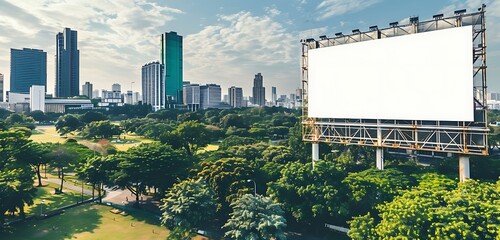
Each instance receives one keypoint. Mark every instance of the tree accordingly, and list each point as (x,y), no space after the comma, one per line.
(372,187)
(233,120)
(153,164)
(16,177)
(187,205)
(469,211)
(235,141)
(19,120)
(67,123)
(311,197)
(191,136)
(227,176)
(101,129)
(36,155)
(62,156)
(97,171)
(255,217)
(92,116)
(38,116)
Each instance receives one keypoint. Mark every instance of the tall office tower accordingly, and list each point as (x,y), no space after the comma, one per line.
(235,97)
(37,98)
(298,94)
(87,90)
(27,67)
(1,87)
(192,96)
(67,64)
(210,96)
(273,95)
(171,58)
(259,91)
(116,87)
(153,85)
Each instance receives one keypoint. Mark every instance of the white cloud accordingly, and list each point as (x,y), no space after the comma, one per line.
(330,8)
(115,37)
(239,46)
(272,11)
(313,33)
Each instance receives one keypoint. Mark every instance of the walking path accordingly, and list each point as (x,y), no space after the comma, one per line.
(67,185)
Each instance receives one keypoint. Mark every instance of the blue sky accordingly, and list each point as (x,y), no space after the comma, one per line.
(225,41)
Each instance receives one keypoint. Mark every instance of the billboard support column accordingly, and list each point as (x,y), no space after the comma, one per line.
(380,149)
(315,153)
(380,158)
(463,168)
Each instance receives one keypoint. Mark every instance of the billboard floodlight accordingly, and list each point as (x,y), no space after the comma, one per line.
(414,20)
(459,12)
(374,28)
(310,40)
(438,16)
(393,24)
(322,37)
(339,34)
(356,31)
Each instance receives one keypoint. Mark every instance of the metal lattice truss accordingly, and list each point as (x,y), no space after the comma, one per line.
(438,136)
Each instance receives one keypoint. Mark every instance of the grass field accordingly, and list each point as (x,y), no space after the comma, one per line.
(90,221)
(44,134)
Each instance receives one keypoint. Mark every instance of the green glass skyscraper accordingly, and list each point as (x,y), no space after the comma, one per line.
(171,58)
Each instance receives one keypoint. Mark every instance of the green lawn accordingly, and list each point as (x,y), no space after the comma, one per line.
(90,221)
(53,201)
(49,134)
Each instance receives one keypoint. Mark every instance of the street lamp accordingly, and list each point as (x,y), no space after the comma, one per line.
(41,207)
(254,186)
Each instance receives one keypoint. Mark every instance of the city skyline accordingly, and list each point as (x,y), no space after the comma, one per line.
(224,43)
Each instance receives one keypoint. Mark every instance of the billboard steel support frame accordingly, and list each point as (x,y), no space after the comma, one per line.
(463,138)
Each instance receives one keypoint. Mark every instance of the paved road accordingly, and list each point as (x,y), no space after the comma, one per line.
(67,185)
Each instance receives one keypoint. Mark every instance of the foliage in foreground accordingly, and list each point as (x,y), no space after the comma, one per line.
(469,211)
(187,205)
(255,217)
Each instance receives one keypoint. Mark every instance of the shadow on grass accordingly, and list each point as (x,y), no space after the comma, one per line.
(140,214)
(52,201)
(64,226)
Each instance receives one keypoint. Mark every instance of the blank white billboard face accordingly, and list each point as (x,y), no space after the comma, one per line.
(424,76)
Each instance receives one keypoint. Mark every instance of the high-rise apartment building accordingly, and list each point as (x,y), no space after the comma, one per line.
(274,97)
(67,64)
(259,91)
(153,85)
(28,67)
(192,96)
(210,96)
(1,87)
(87,90)
(171,58)
(235,97)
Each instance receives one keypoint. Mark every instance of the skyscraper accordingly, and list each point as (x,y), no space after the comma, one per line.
(153,85)
(259,91)
(28,67)
(87,90)
(67,64)
(1,87)
(273,95)
(171,58)
(210,96)
(235,97)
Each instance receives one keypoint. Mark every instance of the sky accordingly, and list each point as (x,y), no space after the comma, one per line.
(225,41)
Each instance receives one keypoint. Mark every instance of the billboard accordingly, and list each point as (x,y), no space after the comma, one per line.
(425,76)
